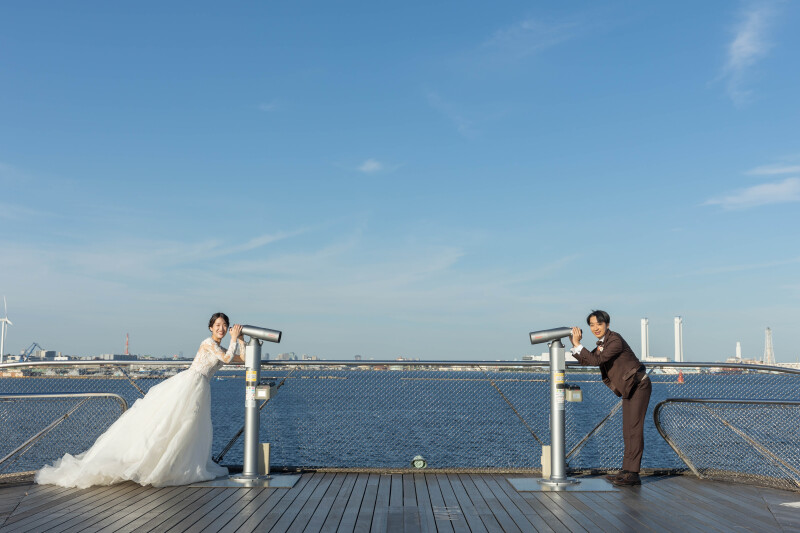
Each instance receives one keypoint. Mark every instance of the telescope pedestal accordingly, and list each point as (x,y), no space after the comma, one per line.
(558,480)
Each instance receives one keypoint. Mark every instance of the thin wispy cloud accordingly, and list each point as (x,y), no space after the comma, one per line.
(268,106)
(527,38)
(370,166)
(742,268)
(778,192)
(773,170)
(449,110)
(12,212)
(749,45)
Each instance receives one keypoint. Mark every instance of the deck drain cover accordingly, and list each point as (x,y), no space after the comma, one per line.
(446,513)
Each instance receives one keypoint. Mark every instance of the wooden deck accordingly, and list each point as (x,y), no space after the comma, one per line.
(401,502)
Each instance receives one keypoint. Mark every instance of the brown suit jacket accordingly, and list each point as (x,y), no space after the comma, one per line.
(620,368)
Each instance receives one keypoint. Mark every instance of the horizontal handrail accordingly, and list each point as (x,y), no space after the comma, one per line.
(372,363)
(37,396)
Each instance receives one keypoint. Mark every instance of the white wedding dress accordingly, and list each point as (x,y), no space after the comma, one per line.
(163,440)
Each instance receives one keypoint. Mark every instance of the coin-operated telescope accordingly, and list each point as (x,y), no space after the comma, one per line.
(252,362)
(558,461)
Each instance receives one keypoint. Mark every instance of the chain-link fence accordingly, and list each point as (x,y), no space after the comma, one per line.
(49,410)
(458,416)
(753,441)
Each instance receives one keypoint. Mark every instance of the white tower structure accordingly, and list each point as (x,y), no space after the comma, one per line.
(678,339)
(645,339)
(4,323)
(769,353)
(738,350)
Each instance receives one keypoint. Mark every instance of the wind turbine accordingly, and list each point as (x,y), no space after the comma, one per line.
(5,323)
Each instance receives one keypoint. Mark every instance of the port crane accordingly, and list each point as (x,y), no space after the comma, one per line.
(29,350)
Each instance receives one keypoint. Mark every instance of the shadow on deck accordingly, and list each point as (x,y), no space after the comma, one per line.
(401,502)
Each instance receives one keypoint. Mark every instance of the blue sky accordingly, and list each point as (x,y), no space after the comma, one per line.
(415,179)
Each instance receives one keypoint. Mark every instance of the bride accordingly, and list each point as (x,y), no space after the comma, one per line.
(165,438)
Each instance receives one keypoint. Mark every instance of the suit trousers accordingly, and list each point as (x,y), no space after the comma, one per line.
(634,410)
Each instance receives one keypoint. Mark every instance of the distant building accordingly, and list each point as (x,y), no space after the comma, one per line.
(49,355)
(545,356)
(117,357)
(358,358)
(654,359)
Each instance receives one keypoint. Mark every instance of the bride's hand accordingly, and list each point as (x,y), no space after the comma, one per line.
(236,332)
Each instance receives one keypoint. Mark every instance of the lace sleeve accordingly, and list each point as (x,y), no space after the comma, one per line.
(227,356)
(212,350)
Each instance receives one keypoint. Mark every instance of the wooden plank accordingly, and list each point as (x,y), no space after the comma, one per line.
(629,523)
(238,511)
(162,510)
(234,496)
(94,511)
(630,503)
(350,514)
(484,512)
(411,518)
(284,511)
(468,510)
(437,502)
(205,496)
(11,497)
(122,514)
(427,521)
(717,498)
(452,505)
(317,520)
(657,492)
(331,523)
(246,517)
(562,500)
(43,504)
(497,503)
(394,513)
(198,514)
(606,520)
(57,514)
(528,507)
(303,514)
(368,502)
(787,517)
(38,493)
(379,503)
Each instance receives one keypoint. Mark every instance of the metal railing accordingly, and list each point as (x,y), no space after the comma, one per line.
(459,415)
(63,422)
(754,441)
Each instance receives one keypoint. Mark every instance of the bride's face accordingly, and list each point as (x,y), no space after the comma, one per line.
(219,329)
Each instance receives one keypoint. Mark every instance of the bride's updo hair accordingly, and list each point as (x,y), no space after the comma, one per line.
(215,316)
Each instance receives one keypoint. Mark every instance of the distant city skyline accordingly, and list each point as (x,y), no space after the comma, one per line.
(422,180)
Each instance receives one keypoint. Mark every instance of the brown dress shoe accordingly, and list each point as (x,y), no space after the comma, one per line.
(628,479)
(612,477)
